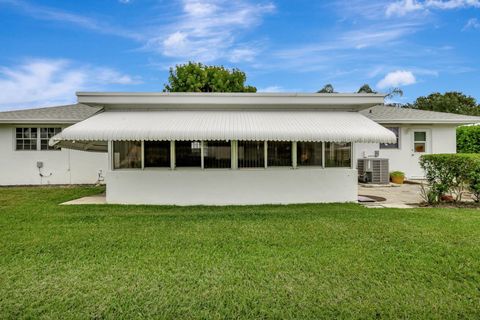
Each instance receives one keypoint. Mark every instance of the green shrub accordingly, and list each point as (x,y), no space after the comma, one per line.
(451,174)
(468,139)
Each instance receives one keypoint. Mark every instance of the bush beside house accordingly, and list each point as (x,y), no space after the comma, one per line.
(468,139)
(451,174)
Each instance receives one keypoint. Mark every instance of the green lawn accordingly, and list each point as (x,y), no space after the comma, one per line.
(300,261)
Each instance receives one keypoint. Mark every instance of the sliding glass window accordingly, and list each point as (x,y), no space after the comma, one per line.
(279,154)
(127,155)
(217,154)
(309,153)
(188,154)
(157,154)
(251,154)
(338,154)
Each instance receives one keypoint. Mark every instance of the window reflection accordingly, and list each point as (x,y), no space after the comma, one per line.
(127,154)
(309,153)
(338,154)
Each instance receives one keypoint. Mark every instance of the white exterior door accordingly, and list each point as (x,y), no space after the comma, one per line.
(421,144)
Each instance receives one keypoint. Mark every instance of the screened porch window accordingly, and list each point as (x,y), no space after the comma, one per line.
(279,153)
(217,154)
(188,153)
(309,154)
(157,154)
(338,154)
(127,155)
(251,154)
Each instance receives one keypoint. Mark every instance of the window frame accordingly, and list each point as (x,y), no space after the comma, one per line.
(205,147)
(425,141)
(351,153)
(322,163)
(38,145)
(234,150)
(384,146)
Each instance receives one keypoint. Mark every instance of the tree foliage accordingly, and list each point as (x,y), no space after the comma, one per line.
(452,102)
(365,89)
(468,139)
(328,88)
(197,77)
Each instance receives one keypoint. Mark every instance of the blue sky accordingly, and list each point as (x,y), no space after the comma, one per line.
(50,49)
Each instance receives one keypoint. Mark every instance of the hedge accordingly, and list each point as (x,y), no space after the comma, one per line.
(451,174)
(468,139)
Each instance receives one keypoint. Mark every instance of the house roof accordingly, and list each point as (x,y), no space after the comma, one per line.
(61,114)
(231,101)
(387,114)
(281,125)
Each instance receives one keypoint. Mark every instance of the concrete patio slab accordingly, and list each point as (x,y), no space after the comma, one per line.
(397,196)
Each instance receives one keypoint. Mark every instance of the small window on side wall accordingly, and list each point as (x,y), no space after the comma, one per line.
(127,155)
(396,131)
(420,141)
(338,154)
(26,139)
(45,135)
(309,153)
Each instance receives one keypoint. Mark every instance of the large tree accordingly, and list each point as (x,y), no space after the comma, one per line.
(452,102)
(197,77)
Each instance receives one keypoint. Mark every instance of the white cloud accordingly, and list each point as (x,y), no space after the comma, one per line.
(271,89)
(125,1)
(472,24)
(37,83)
(452,4)
(403,7)
(396,79)
(83,21)
(242,54)
(210,30)
(199,8)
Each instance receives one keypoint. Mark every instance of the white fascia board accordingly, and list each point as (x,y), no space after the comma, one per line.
(426,122)
(43,121)
(135,100)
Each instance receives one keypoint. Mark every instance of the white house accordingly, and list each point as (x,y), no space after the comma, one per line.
(418,132)
(27,159)
(309,122)
(227,148)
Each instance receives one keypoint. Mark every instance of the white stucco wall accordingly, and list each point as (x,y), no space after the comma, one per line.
(66,166)
(225,187)
(442,139)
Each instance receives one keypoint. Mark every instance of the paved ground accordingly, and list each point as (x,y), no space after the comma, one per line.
(397,196)
(98,199)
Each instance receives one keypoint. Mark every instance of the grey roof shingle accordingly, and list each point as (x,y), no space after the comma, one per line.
(382,114)
(62,114)
(389,114)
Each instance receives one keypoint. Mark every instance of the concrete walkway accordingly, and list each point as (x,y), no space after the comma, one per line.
(397,196)
(97,199)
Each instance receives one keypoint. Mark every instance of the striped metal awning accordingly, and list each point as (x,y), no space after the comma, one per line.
(275,125)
